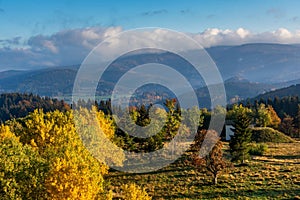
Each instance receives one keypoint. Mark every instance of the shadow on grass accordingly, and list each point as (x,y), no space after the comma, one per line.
(260,193)
(148,173)
(289,157)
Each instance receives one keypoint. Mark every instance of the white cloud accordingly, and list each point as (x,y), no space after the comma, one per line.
(213,37)
(242,32)
(283,34)
(63,48)
(70,47)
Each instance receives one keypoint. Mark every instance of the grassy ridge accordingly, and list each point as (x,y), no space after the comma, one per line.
(267,134)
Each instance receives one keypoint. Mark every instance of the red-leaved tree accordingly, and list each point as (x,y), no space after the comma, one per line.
(213,162)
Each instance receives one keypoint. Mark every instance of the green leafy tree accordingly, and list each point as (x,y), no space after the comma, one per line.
(194,118)
(242,134)
(266,116)
(173,119)
(159,126)
(263,117)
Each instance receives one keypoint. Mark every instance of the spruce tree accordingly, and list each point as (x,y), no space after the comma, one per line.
(297,118)
(242,135)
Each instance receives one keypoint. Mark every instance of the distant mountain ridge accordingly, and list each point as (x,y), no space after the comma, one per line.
(248,70)
(258,62)
(46,82)
(293,90)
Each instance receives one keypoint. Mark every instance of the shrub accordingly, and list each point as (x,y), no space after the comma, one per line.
(134,192)
(258,149)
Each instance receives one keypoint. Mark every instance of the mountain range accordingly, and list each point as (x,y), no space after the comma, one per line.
(248,70)
(293,90)
(267,63)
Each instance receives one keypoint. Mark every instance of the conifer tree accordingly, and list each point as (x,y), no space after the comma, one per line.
(297,118)
(242,135)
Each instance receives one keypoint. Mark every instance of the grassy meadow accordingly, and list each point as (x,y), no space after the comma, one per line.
(275,175)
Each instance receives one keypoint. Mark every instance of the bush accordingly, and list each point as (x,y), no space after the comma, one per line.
(134,192)
(266,134)
(258,149)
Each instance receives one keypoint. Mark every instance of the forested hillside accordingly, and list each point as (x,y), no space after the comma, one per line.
(293,90)
(16,105)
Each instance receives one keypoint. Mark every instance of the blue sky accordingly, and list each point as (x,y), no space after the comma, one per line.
(32,17)
(36,33)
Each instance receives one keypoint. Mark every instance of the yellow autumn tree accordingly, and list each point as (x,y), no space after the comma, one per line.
(74,176)
(22,170)
(266,116)
(42,130)
(74,173)
(275,120)
(96,131)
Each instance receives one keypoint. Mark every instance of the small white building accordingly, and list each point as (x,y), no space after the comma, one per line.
(228,129)
(229,132)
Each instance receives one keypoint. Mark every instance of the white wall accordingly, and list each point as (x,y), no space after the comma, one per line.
(229,132)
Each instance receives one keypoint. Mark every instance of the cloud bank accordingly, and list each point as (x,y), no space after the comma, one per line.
(70,47)
(214,37)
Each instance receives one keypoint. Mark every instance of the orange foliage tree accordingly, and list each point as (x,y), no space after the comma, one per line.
(213,162)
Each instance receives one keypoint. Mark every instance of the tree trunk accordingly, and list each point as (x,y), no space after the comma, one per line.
(243,160)
(215,179)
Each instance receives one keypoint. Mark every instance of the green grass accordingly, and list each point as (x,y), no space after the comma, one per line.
(276,175)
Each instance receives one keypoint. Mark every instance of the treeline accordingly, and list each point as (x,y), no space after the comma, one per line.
(288,110)
(16,105)
(282,114)
(287,105)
